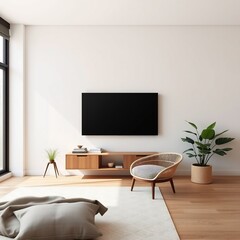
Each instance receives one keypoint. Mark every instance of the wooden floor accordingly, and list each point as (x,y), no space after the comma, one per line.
(209,212)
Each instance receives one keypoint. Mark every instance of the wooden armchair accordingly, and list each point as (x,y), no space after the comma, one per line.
(155,168)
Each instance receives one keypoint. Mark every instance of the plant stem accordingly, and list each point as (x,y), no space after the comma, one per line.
(209,157)
(195,154)
(198,135)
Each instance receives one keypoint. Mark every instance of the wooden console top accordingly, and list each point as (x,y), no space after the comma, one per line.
(113,153)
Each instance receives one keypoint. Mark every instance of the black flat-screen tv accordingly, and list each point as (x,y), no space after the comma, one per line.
(119,113)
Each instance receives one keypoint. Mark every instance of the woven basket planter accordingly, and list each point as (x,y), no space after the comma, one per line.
(201,174)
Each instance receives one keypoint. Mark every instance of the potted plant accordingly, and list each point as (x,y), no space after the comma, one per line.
(51,153)
(204,146)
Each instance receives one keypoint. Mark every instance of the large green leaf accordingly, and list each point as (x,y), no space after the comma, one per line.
(226,149)
(221,141)
(192,124)
(212,126)
(190,132)
(188,150)
(203,145)
(187,139)
(220,152)
(217,135)
(208,134)
(190,155)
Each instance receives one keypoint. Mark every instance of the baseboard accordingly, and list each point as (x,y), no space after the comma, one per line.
(215,173)
(5,176)
(80,173)
(226,173)
(183,173)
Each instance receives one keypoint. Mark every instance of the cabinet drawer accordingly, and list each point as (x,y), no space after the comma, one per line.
(82,162)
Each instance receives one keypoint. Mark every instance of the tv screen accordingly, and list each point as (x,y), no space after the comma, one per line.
(119,113)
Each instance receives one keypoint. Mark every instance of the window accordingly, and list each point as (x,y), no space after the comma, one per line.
(4,83)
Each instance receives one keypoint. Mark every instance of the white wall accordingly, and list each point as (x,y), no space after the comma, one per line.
(195,70)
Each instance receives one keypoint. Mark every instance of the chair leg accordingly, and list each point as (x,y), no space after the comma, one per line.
(153,190)
(133,182)
(172,184)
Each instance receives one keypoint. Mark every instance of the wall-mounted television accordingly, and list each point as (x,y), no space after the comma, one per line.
(119,113)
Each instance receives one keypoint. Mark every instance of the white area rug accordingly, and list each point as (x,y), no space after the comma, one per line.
(130,216)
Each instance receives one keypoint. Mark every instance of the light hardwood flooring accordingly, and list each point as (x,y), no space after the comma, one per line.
(210,212)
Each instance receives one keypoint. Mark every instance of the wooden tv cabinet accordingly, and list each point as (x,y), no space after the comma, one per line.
(95,161)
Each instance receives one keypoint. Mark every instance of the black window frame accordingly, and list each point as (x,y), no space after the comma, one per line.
(5,67)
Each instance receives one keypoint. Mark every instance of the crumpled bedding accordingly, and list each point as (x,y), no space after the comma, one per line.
(9,224)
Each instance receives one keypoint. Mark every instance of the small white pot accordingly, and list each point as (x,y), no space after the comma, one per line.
(201,174)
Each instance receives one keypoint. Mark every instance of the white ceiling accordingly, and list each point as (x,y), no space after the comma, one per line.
(121,12)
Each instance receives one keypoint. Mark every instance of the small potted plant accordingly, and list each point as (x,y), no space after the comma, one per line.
(204,146)
(51,153)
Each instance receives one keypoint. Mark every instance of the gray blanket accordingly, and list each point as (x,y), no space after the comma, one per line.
(9,223)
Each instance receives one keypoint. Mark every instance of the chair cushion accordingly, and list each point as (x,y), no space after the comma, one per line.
(148,171)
